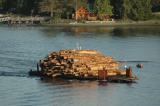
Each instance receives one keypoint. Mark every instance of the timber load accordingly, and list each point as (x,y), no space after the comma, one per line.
(82,64)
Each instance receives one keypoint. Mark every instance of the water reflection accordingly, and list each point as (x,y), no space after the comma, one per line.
(76,31)
(121,31)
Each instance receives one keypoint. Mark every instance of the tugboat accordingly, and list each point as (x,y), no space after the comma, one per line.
(139,65)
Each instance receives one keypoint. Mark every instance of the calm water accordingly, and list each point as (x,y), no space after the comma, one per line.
(22,47)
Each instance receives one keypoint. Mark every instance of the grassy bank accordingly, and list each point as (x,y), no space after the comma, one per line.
(107,23)
(60,22)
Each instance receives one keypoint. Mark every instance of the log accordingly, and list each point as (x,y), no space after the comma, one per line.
(80,63)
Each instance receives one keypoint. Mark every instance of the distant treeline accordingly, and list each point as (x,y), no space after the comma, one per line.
(119,9)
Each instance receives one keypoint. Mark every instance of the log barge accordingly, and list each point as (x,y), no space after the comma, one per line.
(82,65)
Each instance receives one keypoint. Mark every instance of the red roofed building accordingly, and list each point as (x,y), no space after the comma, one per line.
(81,13)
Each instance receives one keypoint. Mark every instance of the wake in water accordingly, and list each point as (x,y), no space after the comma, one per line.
(25,74)
(15,74)
(134,61)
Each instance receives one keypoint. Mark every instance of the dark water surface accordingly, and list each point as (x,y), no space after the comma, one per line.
(22,47)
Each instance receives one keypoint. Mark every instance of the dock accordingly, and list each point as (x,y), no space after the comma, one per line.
(23,20)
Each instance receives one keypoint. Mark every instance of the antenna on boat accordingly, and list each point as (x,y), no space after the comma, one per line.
(78,47)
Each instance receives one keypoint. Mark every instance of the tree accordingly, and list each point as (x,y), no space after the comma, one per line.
(155,2)
(155,5)
(126,9)
(117,8)
(70,7)
(81,3)
(77,3)
(1,3)
(132,9)
(140,9)
(103,8)
(28,7)
(9,5)
(91,5)
(51,6)
(19,5)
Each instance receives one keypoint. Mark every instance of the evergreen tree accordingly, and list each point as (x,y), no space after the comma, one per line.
(91,5)
(126,9)
(19,6)
(81,3)
(1,3)
(69,6)
(117,8)
(103,8)
(51,6)
(9,5)
(155,5)
(140,9)
(77,3)
(27,7)
(155,2)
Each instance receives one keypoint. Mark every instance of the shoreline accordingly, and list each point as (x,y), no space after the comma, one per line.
(109,24)
(98,24)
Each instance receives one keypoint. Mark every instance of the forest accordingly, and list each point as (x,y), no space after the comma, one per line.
(117,9)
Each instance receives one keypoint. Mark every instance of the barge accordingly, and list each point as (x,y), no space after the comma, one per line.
(82,65)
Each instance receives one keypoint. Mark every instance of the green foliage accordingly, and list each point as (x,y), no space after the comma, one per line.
(1,3)
(126,9)
(117,8)
(9,5)
(103,7)
(132,9)
(20,6)
(155,5)
(155,2)
(121,9)
(29,6)
(76,3)
(24,6)
(81,3)
(52,7)
(140,9)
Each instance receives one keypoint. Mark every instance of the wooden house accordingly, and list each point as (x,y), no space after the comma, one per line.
(81,13)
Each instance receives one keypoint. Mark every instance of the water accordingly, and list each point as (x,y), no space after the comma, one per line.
(22,47)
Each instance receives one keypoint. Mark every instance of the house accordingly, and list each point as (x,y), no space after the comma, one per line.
(81,14)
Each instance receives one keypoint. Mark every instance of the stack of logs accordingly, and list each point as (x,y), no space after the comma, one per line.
(79,63)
